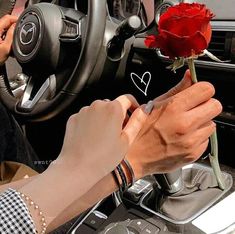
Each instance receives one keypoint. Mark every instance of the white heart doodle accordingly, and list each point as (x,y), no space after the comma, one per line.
(142,83)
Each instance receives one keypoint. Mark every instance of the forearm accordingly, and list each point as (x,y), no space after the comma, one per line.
(102,189)
(99,191)
(55,190)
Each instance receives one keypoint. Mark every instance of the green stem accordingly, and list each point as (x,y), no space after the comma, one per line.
(213,156)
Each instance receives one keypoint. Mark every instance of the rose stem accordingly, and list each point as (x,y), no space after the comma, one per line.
(213,156)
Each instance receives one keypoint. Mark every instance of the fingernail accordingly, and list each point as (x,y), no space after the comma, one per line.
(149,107)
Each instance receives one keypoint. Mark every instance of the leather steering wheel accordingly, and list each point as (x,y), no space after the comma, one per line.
(47,38)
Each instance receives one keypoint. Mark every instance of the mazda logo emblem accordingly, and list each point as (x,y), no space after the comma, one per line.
(27,33)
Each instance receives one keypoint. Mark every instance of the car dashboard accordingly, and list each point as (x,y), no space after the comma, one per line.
(130,214)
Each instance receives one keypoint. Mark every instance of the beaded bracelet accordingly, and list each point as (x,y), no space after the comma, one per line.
(36,207)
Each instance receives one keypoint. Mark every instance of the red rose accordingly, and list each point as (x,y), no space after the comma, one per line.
(184,30)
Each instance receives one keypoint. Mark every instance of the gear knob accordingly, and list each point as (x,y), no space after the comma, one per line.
(170,182)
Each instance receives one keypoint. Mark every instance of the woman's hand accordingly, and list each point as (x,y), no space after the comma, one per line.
(95,142)
(7,26)
(177,131)
(95,136)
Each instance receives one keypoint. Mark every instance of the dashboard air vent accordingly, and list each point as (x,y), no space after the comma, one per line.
(220,45)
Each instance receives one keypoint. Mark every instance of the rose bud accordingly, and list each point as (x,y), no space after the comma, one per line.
(184,31)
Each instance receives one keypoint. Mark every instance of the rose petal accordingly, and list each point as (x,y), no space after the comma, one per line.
(150,41)
(185,10)
(179,27)
(174,46)
(184,30)
(207,33)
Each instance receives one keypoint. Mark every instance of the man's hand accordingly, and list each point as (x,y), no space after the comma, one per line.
(7,26)
(177,131)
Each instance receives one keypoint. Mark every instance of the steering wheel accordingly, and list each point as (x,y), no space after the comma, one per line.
(49,42)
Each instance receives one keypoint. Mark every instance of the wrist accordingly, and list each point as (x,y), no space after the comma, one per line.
(76,170)
(124,176)
(136,166)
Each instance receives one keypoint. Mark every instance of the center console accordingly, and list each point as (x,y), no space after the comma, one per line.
(123,221)
(140,211)
(127,218)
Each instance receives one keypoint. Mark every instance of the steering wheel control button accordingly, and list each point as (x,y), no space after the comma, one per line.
(150,229)
(71,32)
(95,220)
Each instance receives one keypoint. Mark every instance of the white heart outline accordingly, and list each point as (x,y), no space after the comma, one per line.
(142,81)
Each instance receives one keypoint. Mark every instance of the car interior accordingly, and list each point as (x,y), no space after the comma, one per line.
(97,51)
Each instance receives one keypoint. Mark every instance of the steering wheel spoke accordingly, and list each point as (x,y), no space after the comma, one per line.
(18,84)
(35,92)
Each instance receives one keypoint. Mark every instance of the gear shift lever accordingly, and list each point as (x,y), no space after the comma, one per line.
(170,182)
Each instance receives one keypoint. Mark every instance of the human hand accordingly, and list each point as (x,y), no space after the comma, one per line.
(95,137)
(177,131)
(7,26)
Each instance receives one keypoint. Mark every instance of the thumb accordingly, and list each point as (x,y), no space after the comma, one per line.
(134,125)
(182,85)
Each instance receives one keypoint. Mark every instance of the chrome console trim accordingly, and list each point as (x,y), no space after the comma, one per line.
(200,63)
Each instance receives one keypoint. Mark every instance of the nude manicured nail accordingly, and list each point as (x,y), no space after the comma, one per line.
(149,107)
